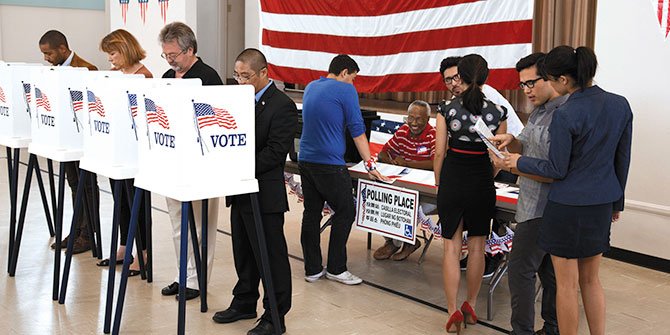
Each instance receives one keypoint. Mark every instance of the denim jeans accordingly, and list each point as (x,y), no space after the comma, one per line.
(330,183)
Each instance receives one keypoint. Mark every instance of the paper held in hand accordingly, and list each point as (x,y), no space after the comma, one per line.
(485,133)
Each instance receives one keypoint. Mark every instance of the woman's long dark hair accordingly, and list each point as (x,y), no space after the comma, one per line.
(473,70)
(580,64)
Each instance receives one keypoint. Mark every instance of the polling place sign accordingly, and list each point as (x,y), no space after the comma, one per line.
(387,210)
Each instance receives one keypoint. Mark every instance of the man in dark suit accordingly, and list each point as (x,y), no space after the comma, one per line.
(56,51)
(276,124)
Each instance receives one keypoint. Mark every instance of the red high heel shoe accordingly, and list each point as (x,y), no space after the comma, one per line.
(468,313)
(455,320)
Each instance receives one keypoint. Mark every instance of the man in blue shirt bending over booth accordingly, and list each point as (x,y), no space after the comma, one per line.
(330,108)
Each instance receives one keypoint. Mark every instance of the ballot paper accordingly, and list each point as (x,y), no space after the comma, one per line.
(392,171)
(485,133)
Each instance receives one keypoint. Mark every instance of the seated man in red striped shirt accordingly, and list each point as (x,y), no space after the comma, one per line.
(412,145)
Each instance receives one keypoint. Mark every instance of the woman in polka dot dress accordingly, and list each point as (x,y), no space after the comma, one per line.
(463,172)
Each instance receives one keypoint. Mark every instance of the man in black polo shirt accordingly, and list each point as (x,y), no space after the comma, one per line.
(179,50)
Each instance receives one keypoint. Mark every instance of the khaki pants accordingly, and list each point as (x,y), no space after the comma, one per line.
(174,209)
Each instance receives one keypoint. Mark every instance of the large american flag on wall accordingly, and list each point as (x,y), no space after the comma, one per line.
(397,44)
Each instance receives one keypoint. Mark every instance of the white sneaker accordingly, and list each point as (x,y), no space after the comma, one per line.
(345,277)
(315,277)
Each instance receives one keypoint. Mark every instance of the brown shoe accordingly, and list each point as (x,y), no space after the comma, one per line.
(385,251)
(81,244)
(407,249)
(63,244)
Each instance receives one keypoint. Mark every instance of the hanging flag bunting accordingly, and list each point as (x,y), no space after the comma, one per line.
(164,8)
(124,9)
(144,5)
(663,13)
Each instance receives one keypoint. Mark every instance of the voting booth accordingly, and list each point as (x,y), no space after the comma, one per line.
(199,142)
(57,127)
(15,95)
(109,137)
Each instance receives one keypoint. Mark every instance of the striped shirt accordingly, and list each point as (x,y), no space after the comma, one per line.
(410,148)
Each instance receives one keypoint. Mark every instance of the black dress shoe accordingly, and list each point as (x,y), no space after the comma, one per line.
(105,262)
(81,244)
(264,327)
(171,289)
(231,315)
(190,294)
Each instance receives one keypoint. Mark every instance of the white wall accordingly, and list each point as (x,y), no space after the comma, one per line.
(22,27)
(634,58)
(252,9)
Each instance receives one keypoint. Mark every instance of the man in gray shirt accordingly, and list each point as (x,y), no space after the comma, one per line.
(526,257)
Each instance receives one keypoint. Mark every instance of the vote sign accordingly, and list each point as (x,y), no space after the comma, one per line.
(387,210)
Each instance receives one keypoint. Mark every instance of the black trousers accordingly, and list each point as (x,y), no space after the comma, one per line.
(124,219)
(331,183)
(248,262)
(91,191)
(525,260)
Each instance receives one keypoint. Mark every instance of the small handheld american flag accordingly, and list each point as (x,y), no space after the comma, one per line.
(212,116)
(156,114)
(94,104)
(41,100)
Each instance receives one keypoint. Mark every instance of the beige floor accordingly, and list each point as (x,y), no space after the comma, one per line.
(637,297)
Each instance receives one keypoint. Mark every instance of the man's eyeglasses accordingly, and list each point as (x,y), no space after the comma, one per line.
(529,83)
(455,78)
(171,57)
(243,77)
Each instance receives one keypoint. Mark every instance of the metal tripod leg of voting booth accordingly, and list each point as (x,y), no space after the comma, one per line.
(15,232)
(13,173)
(43,195)
(148,222)
(58,226)
(95,216)
(266,274)
(128,188)
(194,242)
(203,279)
(127,259)
(183,261)
(112,255)
(78,202)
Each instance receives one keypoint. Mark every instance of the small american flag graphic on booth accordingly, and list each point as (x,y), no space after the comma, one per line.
(156,114)
(41,100)
(212,116)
